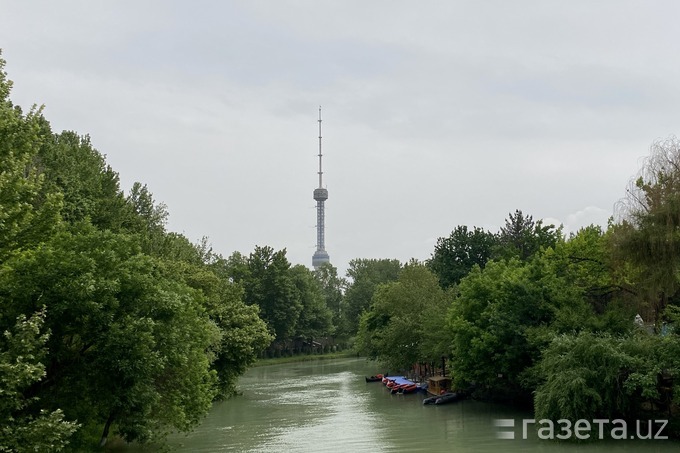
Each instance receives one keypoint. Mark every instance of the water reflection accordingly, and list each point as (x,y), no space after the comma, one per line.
(336,418)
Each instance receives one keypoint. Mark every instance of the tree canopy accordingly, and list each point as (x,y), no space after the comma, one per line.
(111,324)
(406,320)
(365,276)
(522,237)
(456,255)
(648,233)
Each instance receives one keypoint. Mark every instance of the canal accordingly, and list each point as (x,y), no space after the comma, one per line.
(326,406)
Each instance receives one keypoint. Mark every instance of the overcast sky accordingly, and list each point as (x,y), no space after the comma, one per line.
(435,114)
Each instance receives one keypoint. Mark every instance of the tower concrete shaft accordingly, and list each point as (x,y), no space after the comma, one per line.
(320,195)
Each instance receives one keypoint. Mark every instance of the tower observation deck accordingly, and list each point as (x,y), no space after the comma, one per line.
(320,195)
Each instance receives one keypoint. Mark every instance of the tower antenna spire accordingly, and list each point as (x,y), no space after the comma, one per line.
(320,195)
(320,154)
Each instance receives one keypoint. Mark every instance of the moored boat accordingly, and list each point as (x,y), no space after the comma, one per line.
(391,381)
(430,400)
(375,378)
(396,389)
(408,388)
(448,398)
(437,385)
(397,383)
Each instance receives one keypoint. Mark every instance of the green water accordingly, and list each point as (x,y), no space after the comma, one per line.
(326,406)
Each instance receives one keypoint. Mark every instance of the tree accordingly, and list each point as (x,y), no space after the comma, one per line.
(585,263)
(28,216)
(244,334)
(406,322)
(90,188)
(128,339)
(366,275)
(315,320)
(588,375)
(455,255)
(502,318)
(522,237)
(236,268)
(650,220)
(26,427)
(145,328)
(244,337)
(153,216)
(269,285)
(331,286)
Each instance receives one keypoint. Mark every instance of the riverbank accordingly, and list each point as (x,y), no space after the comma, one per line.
(304,358)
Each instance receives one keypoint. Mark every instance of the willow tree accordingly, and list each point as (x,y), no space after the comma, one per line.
(649,231)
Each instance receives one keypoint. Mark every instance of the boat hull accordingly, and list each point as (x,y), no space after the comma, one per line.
(448,398)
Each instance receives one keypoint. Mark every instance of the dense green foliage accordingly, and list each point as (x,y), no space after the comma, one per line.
(456,255)
(292,300)
(647,235)
(111,323)
(366,275)
(119,324)
(316,319)
(600,376)
(270,286)
(537,318)
(405,324)
(331,287)
(21,351)
(615,370)
(522,237)
(497,319)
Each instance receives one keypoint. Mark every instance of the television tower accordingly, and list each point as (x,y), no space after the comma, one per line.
(320,195)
